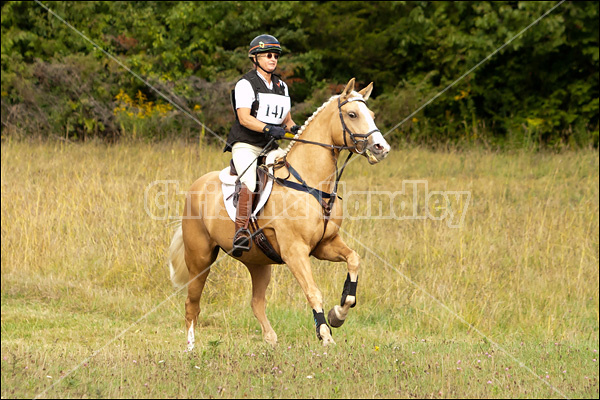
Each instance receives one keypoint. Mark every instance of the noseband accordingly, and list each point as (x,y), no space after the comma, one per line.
(360,140)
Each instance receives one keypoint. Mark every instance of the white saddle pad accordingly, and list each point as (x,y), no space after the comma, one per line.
(228,186)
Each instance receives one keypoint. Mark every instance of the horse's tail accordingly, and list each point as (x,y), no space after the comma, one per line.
(177,266)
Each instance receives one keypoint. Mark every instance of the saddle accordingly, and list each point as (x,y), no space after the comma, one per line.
(230,188)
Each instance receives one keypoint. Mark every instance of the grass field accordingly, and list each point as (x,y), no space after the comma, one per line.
(504,305)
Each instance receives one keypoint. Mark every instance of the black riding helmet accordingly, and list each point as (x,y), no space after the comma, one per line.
(264,44)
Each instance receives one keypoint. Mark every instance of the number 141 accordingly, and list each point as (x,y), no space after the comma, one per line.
(275,112)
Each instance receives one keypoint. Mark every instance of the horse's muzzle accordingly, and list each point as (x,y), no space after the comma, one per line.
(377,152)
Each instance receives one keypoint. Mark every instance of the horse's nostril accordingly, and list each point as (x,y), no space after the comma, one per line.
(379,148)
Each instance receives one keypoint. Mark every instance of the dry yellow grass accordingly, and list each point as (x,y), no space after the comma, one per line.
(82,261)
(524,260)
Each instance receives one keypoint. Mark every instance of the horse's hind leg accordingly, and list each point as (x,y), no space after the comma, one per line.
(198,261)
(261,276)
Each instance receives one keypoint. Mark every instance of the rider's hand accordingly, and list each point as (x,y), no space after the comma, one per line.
(276,131)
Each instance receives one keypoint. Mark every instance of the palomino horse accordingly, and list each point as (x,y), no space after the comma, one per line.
(308,228)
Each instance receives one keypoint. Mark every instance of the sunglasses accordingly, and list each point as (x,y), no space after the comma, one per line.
(271,55)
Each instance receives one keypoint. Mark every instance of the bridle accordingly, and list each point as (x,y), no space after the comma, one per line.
(326,200)
(360,141)
(359,145)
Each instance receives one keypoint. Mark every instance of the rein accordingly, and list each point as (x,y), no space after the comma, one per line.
(363,136)
(360,146)
(329,146)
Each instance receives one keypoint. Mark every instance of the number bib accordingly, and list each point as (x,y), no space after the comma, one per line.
(272,108)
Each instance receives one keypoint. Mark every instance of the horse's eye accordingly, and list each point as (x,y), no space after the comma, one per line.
(352,114)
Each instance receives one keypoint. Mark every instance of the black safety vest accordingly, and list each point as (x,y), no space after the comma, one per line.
(240,133)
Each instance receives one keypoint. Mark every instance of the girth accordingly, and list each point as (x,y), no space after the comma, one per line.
(263,243)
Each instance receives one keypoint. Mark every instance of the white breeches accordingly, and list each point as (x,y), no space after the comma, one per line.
(244,156)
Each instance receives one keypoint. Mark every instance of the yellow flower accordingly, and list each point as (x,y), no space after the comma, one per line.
(534,122)
(140,96)
(376,348)
(462,95)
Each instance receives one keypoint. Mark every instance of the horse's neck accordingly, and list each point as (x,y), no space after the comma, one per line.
(315,164)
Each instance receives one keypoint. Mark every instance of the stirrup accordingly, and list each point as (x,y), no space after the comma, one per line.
(241,242)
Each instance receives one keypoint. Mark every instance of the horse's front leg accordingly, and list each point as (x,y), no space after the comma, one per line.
(336,250)
(298,261)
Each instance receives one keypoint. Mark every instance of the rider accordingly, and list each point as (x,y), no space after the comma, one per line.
(261,102)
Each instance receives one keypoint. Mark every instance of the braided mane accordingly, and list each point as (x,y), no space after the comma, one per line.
(308,121)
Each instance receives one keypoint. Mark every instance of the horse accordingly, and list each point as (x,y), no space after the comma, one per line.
(311,222)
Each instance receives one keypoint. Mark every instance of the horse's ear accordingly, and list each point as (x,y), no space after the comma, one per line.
(366,92)
(348,89)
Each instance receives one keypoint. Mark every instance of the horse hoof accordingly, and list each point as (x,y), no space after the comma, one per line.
(271,339)
(190,338)
(328,341)
(325,335)
(334,321)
